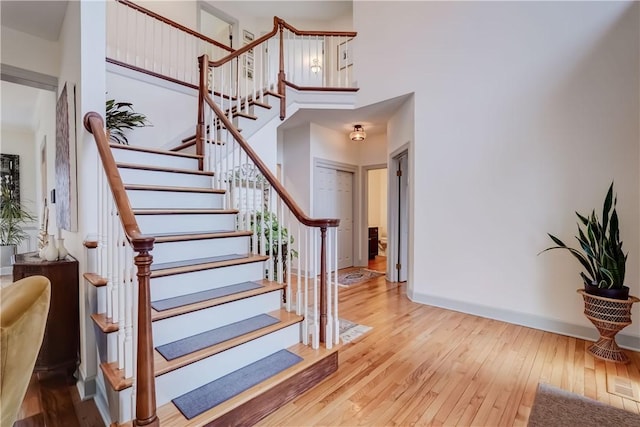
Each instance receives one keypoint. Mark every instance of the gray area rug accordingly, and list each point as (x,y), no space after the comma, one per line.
(169,303)
(209,395)
(359,275)
(555,407)
(206,339)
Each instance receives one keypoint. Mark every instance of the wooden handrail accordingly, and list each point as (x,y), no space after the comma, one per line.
(146,389)
(278,24)
(278,187)
(174,24)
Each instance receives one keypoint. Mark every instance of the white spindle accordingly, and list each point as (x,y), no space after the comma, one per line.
(328,333)
(336,328)
(109,243)
(304,307)
(129,311)
(316,314)
(121,291)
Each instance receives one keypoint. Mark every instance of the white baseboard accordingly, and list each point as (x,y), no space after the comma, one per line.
(529,320)
(4,271)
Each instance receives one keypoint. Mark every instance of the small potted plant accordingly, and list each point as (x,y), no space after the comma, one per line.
(12,217)
(120,116)
(601,253)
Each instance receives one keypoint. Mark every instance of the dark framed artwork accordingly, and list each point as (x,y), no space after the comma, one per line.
(10,174)
(66,180)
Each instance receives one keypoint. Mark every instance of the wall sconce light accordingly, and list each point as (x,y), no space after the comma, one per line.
(315,66)
(358,133)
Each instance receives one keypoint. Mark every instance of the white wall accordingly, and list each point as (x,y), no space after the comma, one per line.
(20,142)
(526,111)
(170,108)
(43,57)
(296,156)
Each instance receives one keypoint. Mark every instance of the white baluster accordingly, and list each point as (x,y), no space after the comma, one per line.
(303,300)
(299,271)
(109,242)
(316,314)
(121,291)
(130,311)
(328,333)
(336,327)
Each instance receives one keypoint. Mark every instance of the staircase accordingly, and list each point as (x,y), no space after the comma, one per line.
(215,296)
(204,280)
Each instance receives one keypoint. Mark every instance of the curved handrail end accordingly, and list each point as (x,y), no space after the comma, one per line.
(91,115)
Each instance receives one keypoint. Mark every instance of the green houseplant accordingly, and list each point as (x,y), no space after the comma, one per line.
(601,253)
(276,239)
(120,116)
(12,217)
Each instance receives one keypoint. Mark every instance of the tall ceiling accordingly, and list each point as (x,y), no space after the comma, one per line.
(44,19)
(39,18)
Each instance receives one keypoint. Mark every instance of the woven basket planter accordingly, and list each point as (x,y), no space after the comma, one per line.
(609,316)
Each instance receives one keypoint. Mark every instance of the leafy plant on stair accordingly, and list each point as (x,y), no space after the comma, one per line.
(120,116)
(276,239)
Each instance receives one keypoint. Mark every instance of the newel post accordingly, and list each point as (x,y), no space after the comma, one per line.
(281,75)
(145,379)
(323,283)
(203,88)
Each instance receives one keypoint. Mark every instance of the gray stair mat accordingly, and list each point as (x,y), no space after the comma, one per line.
(189,262)
(179,301)
(191,344)
(209,395)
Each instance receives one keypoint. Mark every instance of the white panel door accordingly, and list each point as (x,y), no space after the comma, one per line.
(334,199)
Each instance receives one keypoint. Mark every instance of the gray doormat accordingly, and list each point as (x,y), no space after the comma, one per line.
(555,407)
(179,301)
(187,345)
(209,395)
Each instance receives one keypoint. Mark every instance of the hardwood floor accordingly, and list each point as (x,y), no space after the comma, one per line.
(50,401)
(419,365)
(422,365)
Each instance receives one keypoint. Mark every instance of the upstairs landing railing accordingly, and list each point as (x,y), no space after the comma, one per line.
(140,39)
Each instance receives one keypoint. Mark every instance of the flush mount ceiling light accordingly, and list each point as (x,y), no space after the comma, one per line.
(358,133)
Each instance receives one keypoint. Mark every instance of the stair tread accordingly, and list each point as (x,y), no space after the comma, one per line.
(206,265)
(283,320)
(102,321)
(169,414)
(172,188)
(212,394)
(162,169)
(118,382)
(198,297)
(153,151)
(95,279)
(198,235)
(265,287)
(153,211)
(196,261)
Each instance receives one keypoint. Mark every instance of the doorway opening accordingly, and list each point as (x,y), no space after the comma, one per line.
(216,25)
(398,244)
(376,204)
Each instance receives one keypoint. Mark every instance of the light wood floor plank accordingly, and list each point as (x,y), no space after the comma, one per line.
(425,365)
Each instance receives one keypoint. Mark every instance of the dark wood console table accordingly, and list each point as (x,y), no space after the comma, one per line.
(61,343)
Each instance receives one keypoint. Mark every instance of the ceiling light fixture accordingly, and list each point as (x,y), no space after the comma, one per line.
(358,133)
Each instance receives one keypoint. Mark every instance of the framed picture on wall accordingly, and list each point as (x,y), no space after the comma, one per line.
(65,166)
(345,58)
(247,36)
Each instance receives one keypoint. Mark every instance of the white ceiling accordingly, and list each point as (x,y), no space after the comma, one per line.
(39,18)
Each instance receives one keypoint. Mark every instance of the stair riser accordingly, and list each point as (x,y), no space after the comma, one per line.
(197,281)
(183,380)
(149,177)
(183,223)
(175,328)
(139,157)
(179,251)
(141,199)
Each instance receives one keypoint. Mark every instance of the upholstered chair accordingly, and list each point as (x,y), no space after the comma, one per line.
(24,306)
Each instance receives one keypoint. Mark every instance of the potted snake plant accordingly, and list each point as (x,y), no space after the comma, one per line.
(600,253)
(13,216)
